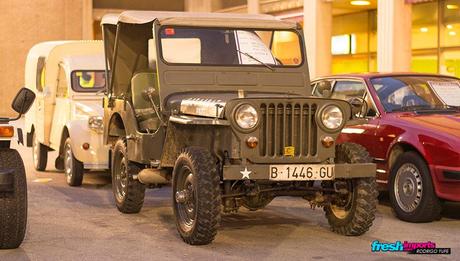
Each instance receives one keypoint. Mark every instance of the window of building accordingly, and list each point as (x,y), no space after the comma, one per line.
(354,42)
(436,37)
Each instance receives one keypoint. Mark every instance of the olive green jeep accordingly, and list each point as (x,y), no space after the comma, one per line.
(219,105)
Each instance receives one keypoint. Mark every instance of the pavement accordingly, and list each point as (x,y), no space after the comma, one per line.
(82,223)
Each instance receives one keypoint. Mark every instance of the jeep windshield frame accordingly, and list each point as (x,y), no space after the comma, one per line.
(132,37)
(231,35)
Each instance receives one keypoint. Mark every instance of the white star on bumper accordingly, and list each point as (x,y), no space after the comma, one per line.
(245,173)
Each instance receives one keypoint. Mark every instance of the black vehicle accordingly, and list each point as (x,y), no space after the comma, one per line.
(13,185)
(214,104)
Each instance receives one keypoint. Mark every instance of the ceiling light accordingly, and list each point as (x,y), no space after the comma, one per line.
(360,3)
(452,33)
(452,7)
(449,26)
(423,29)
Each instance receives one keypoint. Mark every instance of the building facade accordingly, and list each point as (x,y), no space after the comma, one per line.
(342,36)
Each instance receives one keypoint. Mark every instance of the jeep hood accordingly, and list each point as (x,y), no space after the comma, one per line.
(211,104)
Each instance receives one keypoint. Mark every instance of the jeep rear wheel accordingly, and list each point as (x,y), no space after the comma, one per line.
(129,193)
(196,196)
(412,194)
(39,154)
(73,168)
(13,204)
(352,214)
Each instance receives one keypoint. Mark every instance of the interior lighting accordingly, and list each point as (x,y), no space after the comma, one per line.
(360,3)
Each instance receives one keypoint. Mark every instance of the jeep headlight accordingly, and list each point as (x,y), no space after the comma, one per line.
(246,117)
(95,123)
(332,117)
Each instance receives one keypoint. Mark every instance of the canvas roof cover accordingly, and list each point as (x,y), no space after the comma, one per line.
(199,19)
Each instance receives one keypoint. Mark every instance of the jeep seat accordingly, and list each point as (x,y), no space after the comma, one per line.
(143,108)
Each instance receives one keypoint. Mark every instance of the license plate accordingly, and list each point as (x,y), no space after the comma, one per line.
(302,172)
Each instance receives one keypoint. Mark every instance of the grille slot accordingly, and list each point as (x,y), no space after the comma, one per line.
(288,124)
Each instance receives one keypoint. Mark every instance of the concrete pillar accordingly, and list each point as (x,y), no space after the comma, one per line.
(198,5)
(318,33)
(394,23)
(253,6)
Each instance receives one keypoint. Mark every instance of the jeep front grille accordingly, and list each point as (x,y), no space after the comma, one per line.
(288,125)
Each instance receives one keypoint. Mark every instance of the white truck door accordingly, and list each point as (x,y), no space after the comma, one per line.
(61,109)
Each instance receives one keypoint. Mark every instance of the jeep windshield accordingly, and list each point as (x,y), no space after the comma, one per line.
(417,93)
(88,81)
(231,47)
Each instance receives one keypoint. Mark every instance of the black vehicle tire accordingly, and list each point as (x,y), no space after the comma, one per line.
(196,196)
(411,190)
(73,168)
(13,205)
(129,193)
(355,213)
(39,154)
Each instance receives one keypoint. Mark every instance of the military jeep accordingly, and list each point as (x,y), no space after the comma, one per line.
(219,105)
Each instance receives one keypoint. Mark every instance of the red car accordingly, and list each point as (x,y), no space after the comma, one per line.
(412,132)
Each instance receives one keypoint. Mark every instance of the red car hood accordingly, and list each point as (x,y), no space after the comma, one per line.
(444,123)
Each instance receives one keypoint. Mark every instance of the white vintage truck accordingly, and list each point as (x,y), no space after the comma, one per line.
(68,78)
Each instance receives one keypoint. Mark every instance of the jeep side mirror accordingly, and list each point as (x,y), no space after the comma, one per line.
(23,100)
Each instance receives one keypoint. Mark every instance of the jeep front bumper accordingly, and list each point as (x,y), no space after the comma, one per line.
(262,171)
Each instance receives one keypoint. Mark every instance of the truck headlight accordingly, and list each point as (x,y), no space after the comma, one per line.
(332,117)
(246,117)
(96,123)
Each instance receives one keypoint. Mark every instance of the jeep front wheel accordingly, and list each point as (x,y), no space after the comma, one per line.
(129,193)
(196,196)
(352,214)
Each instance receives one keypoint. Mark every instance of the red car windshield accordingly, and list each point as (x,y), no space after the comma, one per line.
(405,93)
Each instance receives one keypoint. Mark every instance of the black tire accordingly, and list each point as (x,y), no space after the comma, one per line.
(426,206)
(196,177)
(13,205)
(356,213)
(39,154)
(73,168)
(129,193)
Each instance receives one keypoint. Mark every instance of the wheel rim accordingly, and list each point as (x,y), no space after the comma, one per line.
(185,199)
(68,163)
(408,187)
(121,179)
(35,151)
(342,208)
